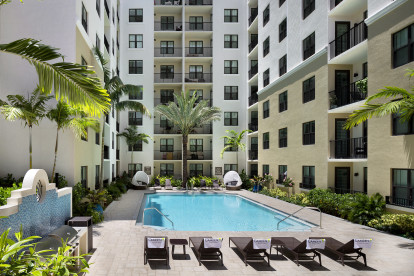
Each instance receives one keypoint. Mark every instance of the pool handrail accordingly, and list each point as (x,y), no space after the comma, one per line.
(153,208)
(304,207)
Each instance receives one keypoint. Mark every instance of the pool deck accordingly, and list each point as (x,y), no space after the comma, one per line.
(119,246)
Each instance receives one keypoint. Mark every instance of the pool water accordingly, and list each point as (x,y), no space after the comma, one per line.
(212,212)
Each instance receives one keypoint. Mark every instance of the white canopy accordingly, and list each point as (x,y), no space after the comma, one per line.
(232,176)
(140,179)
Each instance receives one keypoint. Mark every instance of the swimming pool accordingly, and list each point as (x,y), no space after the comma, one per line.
(213,212)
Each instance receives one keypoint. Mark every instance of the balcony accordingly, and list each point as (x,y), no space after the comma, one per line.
(167,78)
(253,71)
(198,2)
(106,8)
(348,40)
(167,2)
(199,77)
(200,155)
(349,94)
(254,98)
(106,43)
(353,148)
(198,51)
(254,126)
(106,152)
(165,129)
(253,154)
(168,52)
(163,100)
(252,44)
(344,191)
(199,26)
(253,15)
(403,202)
(171,155)
(168,27)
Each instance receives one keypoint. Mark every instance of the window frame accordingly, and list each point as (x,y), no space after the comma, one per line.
(266,140)
(197,147)
(166,144)
(136,96)
(265,169)
(84,173)
(266,15)
(135,120)
(229,95)
(231,69)
(134,168)
(396,121)
(266,109)
(283,65)
(308,46)
(281,174)
(266,46)
(231,43)
(232,120)
(409,46)
(266,77)
(196,169)
(231,18)
(283,101)
(136,147)
(137,18)
(230,167)
(168,169)
(308,6)
(308,137)
(84,18)
(308,182)
(135,69)
(135,42)
(308,90)
(283,32)
(283,137)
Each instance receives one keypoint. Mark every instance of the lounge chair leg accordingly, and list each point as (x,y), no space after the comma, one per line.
(343,261)
(365,258)
(320,259)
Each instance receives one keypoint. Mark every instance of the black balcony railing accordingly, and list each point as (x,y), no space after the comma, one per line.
(172,155)
(353,148)
(403,202)
(308,186)
(135,121)
(167,78)
(348,40)
(253,127)
(200,155)
(347,95)
(167,2)
(253,71)
(117,154)
(335,3)
(168,52)
(344,191)
(166,129)
(199,77)
(252,44)
(168,27)
(106,44)
(198,26)
(254,98)
(253,15)
(198,51)
(163,100)
(106,152)
(198,2)
(253,154)
(106,8)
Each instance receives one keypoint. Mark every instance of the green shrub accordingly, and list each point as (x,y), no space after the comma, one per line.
(96,217)
(364,209)
(5,193)
(398,224)
(9,180)
(62,182)
(78,194)
(299,199)
(114,191)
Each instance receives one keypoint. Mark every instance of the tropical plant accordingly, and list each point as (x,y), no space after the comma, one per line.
(116,89)
(399,224)
(234,140)
(401,102)
(30,110)
(5,192)
(72,118)
(132,137)
(186,114)
(364,208)
(288,182)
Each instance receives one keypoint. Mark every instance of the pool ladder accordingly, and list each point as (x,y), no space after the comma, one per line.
(304,207)
(153,208)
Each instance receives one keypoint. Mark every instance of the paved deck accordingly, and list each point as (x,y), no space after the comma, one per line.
(119,246)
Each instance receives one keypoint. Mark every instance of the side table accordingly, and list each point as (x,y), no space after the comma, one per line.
(175,242)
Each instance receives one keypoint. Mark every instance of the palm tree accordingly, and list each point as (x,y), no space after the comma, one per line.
(187,115)
(75,119)
(116,89)
(234,140)
(30,110)
(402,102)
(132,137)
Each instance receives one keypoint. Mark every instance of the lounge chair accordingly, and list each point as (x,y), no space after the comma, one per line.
(168,184)
(245,246)
(157,185)
(216,185)
(295,247)
(203,253)
(232,181)
(156,249)
(343,249)
(203,185)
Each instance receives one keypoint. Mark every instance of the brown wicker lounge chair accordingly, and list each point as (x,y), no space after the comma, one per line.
(295,247)
(343,249)
(203,253)
(245,246)
(156,253)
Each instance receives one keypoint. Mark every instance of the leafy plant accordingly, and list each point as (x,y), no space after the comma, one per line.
(364,209)
(62,182)
(5,193)
(399,224)
(362,85)
(9,180)
(288,182)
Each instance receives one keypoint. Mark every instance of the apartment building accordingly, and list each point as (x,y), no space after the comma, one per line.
(313,63)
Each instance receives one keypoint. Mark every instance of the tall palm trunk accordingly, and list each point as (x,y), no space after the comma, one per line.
(56,150)
(132,160)
(102,154)
(30,146)
(185,141)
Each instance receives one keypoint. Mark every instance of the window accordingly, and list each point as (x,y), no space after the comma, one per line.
(283,101)
(309,46)
(84,18)
(113,15)
(230,148)
(136,94)
(402,128)
(403,187)
(196,47)
(199,94)
(230,167)
(113,140)
(135,147)
(84,176)
(98,42)
(282,65)
(167,95)
(167,23)
(309,133)
(309,90)
(113,51)
(135,15)
(134,118)
(167,145)
(231,41)
(196,23)
(403,46)
(98,7)
(97,172)
(231,15)
(266,140)
(166,169)
(254,170)
(167,71)
(196,145)
(282,30)
(231,67)
(83,61)
(196,169)
(97,138)
(266,78)
(167,47)
(308,7)
(231,118)
(282,173)
(165,123)
(283,137)
(196,72)
(135,67)
(281,2)
(266,109)
(266,47)
(365,70)
(231,92)
(133,169)
(266,15)
(308,177)
(266,169)
(85,138)
(135,41)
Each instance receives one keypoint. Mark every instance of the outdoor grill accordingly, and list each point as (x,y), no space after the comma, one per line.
(67,233)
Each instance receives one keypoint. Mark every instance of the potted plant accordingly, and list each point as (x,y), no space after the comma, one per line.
(289,183)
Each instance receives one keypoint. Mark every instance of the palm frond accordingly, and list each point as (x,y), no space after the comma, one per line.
(133,105)
(103,62)
(228,146)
